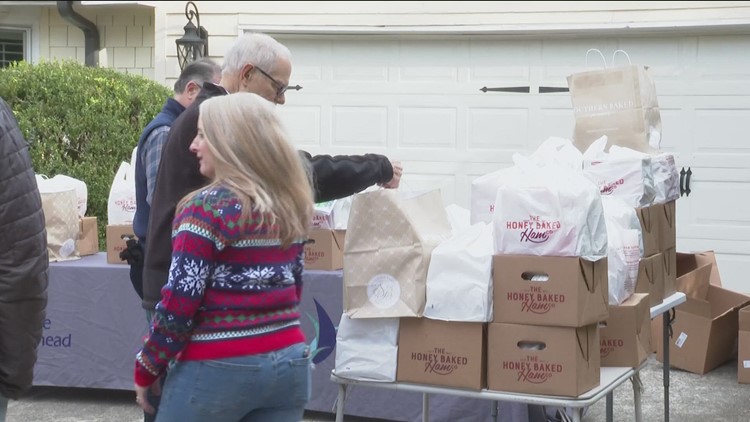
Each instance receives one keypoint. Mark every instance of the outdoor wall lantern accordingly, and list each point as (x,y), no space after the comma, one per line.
(194,43)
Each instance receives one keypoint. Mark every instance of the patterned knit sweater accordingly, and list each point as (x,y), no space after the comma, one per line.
(232,289)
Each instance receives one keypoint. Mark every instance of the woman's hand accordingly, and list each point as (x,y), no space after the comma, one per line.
(141,394)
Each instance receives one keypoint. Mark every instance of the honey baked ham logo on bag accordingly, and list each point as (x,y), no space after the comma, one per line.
(127,205)
(532,370)
(535,229)
(536,300)
(439,362)
(607,346)
(607,188)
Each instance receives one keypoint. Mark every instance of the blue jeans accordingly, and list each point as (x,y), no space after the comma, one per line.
(270,387)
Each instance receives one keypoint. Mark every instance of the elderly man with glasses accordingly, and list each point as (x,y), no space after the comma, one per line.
(258,64)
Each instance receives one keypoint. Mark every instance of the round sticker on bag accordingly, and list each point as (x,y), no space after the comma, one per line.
(67,248)
(383,291)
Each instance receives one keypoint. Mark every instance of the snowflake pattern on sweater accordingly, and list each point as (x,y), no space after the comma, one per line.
(232,289)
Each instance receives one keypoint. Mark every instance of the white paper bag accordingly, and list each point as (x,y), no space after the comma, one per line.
(459,280)
(121,203)
(367,349)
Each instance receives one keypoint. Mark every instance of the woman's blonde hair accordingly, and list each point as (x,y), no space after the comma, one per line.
(253,157)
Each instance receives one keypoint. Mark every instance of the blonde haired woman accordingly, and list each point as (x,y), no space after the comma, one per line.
(230,310)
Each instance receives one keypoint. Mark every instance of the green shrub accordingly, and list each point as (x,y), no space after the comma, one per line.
(81,121)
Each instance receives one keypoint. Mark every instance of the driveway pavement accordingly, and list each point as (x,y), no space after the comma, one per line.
(714,397)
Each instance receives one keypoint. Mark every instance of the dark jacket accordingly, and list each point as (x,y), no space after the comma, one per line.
(166,117)
(23,260)
(333,177)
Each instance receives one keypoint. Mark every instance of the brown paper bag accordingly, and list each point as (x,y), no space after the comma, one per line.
(619,102)
(389,241)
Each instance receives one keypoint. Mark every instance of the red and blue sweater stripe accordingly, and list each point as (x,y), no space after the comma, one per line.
(232,289)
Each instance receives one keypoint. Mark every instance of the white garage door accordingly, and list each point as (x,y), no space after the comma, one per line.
(418,100)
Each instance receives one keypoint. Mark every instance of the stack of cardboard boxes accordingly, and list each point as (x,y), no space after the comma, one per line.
(544,337)
(626,338)
(656,272)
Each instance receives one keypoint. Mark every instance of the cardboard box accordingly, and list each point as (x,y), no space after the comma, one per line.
(705,331)
(743,350)
(560,361)
(116,243)
(88,237)
(693,272)
(667,238)
(444,353)
(649,218)
(325,250)
(651,278)
(571,291)
(699,259)
(669,266)
(625,338)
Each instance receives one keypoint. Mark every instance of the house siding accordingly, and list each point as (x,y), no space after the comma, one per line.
(225,20)
(126,38)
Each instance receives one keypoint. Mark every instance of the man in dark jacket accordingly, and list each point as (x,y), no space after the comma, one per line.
(150,144)
(259,64)
(23,262)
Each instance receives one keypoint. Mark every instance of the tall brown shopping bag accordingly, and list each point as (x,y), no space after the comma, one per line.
(390,237)
(619,102)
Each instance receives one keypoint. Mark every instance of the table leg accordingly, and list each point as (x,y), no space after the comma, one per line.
(340,403)
(610,407)
(425,407)
(577,414)
(667,322)
(637,387)
(493,410)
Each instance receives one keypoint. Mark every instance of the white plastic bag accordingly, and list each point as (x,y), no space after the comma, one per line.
(549,211)
(484,192)
(624,250)
(80,188)
(623,172)
(666,178)
(558,151)
(332,214)
(367,349)
(121,203)
(459,217)
(459,280)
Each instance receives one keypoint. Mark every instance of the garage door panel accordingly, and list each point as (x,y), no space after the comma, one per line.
(721,129)
(494,128)
(302,123)
(359,126)
(557,122)
(427,127)
(713,211)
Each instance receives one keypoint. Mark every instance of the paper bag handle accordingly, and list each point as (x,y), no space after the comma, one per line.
(623,52)
(604,60)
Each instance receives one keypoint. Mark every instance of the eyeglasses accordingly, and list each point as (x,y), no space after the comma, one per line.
(281,87)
